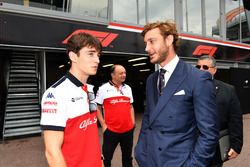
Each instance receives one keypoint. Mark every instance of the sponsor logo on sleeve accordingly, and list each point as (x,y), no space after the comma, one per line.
(49,110)
(50,96)
(50,106)
(50,103)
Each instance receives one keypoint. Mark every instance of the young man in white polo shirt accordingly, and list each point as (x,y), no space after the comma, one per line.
(115,99)
(69,118)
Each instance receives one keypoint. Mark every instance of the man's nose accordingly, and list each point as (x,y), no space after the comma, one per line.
(97,59)
(147,48)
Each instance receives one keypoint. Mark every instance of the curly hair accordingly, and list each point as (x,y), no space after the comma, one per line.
(166,28)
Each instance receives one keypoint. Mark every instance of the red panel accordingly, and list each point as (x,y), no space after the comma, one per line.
(204,50)
(105,37)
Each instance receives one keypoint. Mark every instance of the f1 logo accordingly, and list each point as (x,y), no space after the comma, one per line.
(105,37)
(204,50)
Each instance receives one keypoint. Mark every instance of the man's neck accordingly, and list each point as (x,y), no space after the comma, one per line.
(117,84)
(82,78)
(171,55)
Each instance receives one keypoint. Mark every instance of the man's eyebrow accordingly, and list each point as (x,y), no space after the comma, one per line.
(92,50)
(149,39)
(152,38)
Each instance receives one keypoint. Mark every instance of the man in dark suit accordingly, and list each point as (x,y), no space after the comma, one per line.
(180,125)
(230,114)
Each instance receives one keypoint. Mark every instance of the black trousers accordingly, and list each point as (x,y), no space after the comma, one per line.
(110,142)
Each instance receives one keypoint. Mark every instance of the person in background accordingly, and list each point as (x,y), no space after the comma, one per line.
(180,125)
(114,100)
(69,117)
(230,114)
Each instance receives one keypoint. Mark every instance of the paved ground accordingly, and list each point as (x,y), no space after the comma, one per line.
(29,152)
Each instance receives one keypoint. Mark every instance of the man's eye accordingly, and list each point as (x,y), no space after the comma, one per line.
(151,41)
(91,54)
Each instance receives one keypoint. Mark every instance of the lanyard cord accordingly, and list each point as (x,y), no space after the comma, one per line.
(116,86)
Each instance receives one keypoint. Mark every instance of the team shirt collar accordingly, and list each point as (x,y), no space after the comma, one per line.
(73,79)
(113,84)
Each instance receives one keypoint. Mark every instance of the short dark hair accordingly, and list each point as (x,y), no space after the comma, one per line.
(77,41)
(112,68)
(210,58)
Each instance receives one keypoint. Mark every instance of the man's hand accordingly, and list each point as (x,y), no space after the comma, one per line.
(104,127)
(232,154)
(102,161)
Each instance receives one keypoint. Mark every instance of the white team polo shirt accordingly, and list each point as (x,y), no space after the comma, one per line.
(116,105)
(65,107)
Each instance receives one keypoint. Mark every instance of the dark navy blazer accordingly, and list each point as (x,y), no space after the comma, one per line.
(230,116)
(179,128)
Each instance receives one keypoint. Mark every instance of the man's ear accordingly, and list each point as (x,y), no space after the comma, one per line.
(169,40)
(72,56)
(112,74)
(215,70)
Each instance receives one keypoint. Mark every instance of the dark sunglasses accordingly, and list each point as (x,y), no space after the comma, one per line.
(205,67)
(92,104)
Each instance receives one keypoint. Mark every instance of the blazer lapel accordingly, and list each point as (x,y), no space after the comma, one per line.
(155,79)
(153,92)
(174,81)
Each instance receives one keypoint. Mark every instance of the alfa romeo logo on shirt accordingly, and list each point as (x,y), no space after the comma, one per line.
(119,101)
(84,124)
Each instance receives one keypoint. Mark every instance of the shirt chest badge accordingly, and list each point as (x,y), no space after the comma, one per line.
(75,99)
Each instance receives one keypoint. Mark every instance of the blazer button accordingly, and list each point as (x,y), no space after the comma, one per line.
(160,149)
(150,128)
(162,132)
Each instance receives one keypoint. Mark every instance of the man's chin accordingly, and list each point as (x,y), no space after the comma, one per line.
(93,73)
(153,61)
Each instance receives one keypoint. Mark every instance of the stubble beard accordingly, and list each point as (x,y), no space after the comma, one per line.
(163,55)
